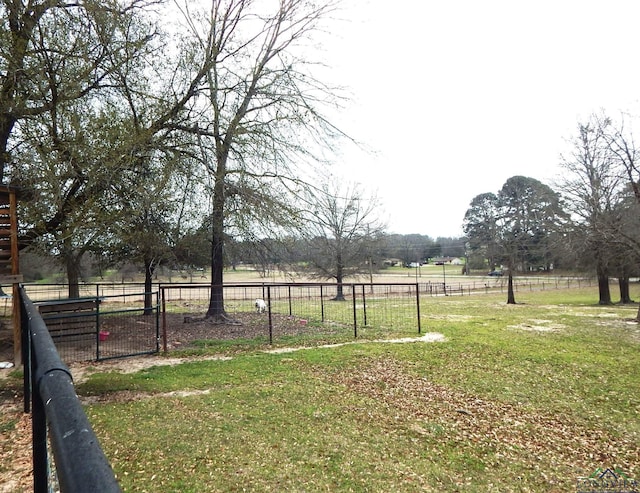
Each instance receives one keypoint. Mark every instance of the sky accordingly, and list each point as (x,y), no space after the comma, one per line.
(452,98)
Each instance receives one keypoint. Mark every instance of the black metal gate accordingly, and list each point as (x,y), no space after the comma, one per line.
(105,327)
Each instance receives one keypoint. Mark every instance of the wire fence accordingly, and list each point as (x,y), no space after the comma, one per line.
(110,319)
(310,310)
(105,327)
(474,286)
(456,285)
(41,292)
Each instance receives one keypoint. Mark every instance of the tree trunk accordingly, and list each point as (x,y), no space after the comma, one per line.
(339,292)
(603,286)
(72,266)
(511,297)
(339,279)
(73,274)
(216,301)
(149,268)
(625,295)
(6,127)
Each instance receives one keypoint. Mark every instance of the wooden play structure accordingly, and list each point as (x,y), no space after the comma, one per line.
(9,264)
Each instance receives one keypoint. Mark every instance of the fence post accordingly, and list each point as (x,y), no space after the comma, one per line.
(163,298)
(418,307)
(98,328)
(364,305)
(39,444)
(33,403)
(355,315)
(321,303)
(270,319)
(158,320)
(79,460)
(26,354)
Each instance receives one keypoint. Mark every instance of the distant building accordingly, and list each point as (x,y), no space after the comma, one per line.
(445,260)
(392,262)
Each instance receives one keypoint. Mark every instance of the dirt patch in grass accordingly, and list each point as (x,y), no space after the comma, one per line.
(538,326)
(81,371)
(181,334)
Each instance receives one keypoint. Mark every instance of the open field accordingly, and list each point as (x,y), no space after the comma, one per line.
(526,397)
(426,274)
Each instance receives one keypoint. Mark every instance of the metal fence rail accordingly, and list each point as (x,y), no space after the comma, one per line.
(57,416)
(96,328)
(383,306)
(40,292)
(474,286)
(458,285)
(122,327)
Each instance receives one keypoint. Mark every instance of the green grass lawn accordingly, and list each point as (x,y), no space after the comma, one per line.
(525,397)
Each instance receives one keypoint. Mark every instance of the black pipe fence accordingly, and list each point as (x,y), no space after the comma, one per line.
(292,308)
(59,422)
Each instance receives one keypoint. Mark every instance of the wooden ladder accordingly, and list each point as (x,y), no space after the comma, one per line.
(9,262)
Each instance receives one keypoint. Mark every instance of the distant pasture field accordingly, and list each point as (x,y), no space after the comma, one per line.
(526,397)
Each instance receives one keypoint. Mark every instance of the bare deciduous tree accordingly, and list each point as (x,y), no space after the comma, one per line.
(591,187)
(342,233)
(621,144)
(260,121)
